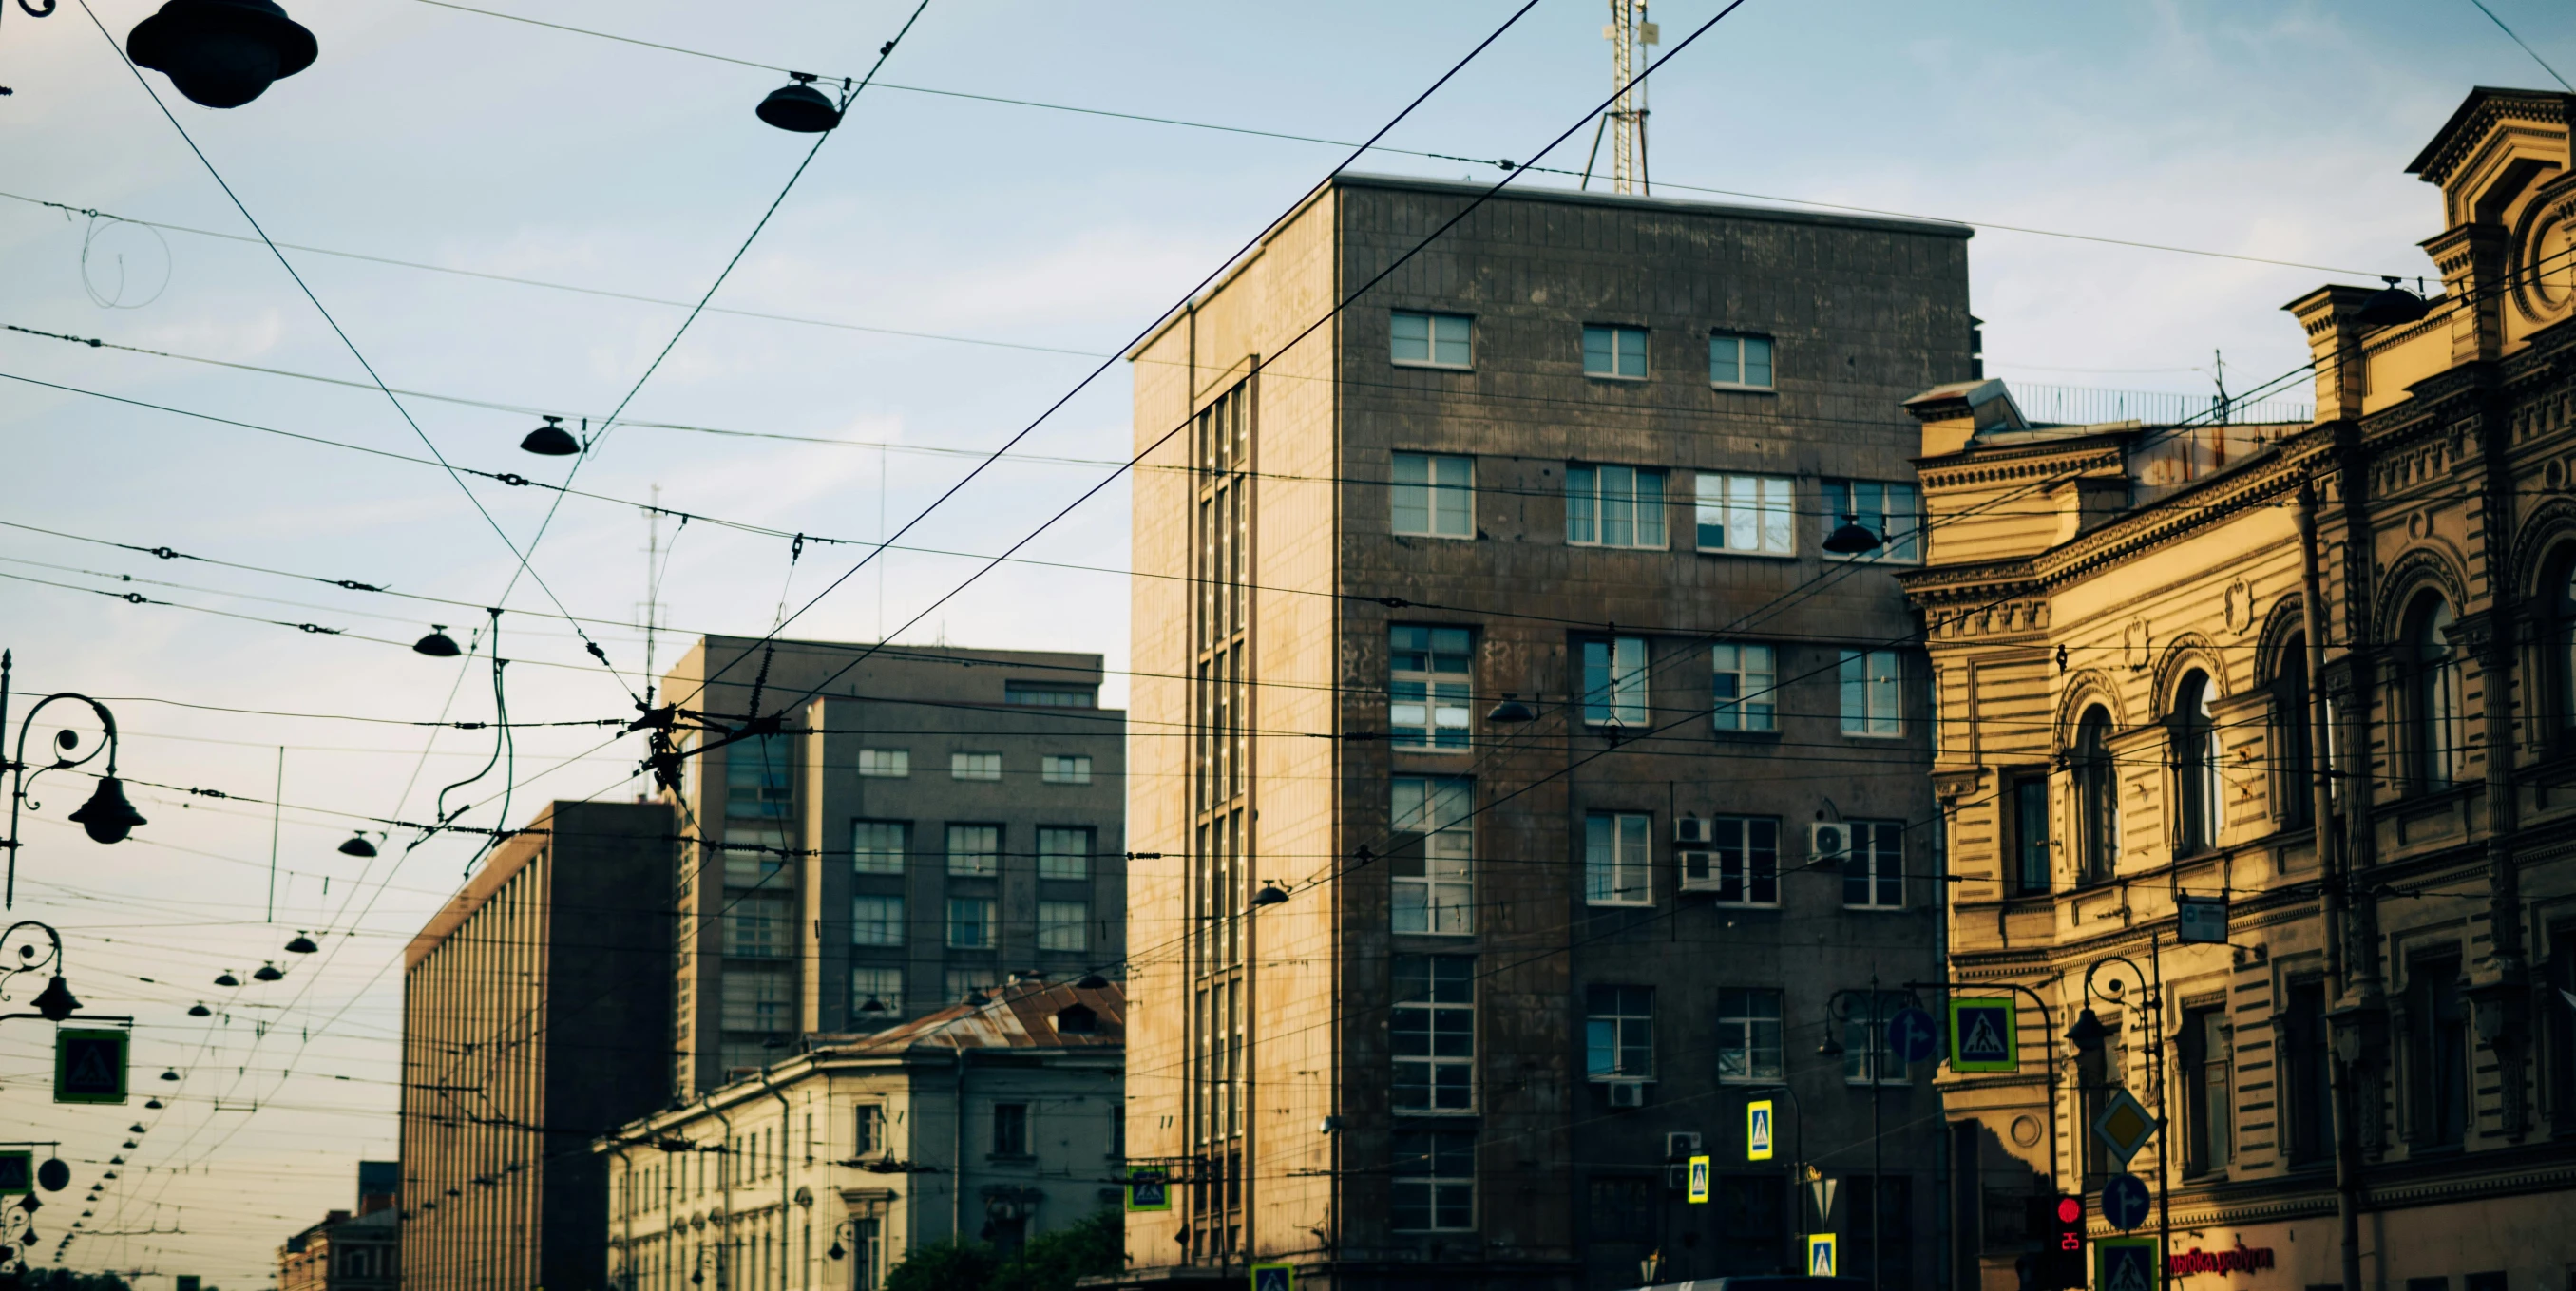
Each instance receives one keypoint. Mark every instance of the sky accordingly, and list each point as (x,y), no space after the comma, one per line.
(945,271)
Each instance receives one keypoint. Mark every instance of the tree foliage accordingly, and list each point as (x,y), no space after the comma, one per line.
(1050,1261)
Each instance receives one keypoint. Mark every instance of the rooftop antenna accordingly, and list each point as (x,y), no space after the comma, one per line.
(1629,35)
(650,609)
(2218,373)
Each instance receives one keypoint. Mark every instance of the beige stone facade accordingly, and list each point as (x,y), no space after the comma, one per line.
(2121,621)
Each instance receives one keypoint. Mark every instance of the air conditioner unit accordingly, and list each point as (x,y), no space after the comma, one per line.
(1690,829)
(1828,842)
(1680,1143)
(1699,871)
(1677,1178)
(1627,1093)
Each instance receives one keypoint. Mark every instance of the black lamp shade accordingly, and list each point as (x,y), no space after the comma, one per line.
(437,645)
(302,945)
(357,845)
(1511,710)
(2088,1032)
(1091,982)
(1269,895)
(152,1104)
(169,1074)
(55,1002)
(836,1252)
(267,973)
(551,440)
(227,979)
(199,1010)
(2392,306)
(221,53)
(799,108)
(107,817)
(1851,539)
(873,1005)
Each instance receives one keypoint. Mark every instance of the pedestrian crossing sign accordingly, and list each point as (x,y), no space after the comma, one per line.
(1148,1190)
(1983,1035)
(17,1172)
(1820,1255)
(1274,1277)
(1757,1130)
(2124,1264)
(1698,1193)
(89,1066)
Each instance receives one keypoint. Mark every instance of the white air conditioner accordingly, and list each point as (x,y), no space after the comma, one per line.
(1699,871)
(1627,1093)
(1690,829)
(1679,1144)
(1828,842)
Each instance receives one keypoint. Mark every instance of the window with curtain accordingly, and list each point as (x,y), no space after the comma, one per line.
(1431,340)
(1617,849)
(1614,506)
(1614,682)
(1430,677)
(2097,799)
(1748,515)
(2294,738)
(2436,719)
(2193,733)
(1746,677)
(878,846)
(1064,851)
(1614,352)
(1433,496)
(1432,856)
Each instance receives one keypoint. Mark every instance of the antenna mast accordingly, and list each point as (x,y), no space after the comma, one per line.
(651,606)
(1629,35)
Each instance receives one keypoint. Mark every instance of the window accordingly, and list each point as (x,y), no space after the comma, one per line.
(756,928)
(876,921)
(1614,682)
(757,779)
(1865,1016)
(879,846)
(2440,751)
(2437,1016)
(1623,1209)
(1054,769)
(1870,691)
(2198,804)
(1735,359)
(756,1000)
(2029,819)
(867,1245)
(974,766)
(2097,799)
(1887,510)
(1616,852)
(883,985)
(1747,677)
(885,764)
(1041,694)
(1431,340)
(1433,1033)
(2294,735)
(1748,859)
(868,1134)
(970,923)
(1433,853)
(2207,1113)
(1614,352)
(1435,1181)
(2307,1089)
(975,851)
(1064,852)
(1746,515)
(1752,1223)
(1064,925)
(1619,1032)
(1433,497)
(1010,1129)
(1427,687)
(1894,1199)
(1874,869)
(2558,1088)
(960,981)
(1614,506)
(1748,1035)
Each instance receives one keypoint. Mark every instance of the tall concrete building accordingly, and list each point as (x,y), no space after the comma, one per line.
(1500,613)
(2258,742)
(927,821)
(536,1014)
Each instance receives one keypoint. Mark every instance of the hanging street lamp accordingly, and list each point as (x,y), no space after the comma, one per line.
(221,53)
(107,817)
(799,108)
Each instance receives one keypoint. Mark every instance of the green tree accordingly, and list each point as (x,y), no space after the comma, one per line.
(1051,1261)
(947,1266)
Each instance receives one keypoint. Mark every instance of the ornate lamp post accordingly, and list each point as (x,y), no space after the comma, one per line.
(107,817)
(55,1002)
(2088,1033)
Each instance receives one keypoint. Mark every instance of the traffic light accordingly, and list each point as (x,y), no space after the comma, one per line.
(2061,1258)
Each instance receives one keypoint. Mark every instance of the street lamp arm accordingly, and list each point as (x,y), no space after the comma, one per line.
(2047,1020)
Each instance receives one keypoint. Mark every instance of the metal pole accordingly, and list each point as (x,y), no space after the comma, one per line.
(2332,893)
(17,779)
(1877,1140)
(2048,1019)
(2164,1125)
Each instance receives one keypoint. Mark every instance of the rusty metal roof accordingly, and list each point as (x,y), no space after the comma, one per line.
(1024,1015)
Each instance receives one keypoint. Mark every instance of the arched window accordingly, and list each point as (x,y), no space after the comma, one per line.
(2097,798)
(2435,700)
(2194,733)
(2294,736)
(2562,653)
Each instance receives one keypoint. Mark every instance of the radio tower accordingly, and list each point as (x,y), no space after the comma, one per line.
(1629,35)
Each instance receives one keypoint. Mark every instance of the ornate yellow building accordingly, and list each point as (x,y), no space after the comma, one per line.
(2368,1076)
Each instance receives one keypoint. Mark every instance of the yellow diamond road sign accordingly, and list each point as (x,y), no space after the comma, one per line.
(2124,1126)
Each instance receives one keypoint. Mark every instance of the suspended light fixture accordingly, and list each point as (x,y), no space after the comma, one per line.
(1091,982)
(2088,1033)
(2391,306)
(1511,710)
(268,973)
(551,440)
(170,1074)
(357,844)
(152,1104)
(55,1002)
(53,1175)
(1851,539)
(107,817)
(135,1128)
(221,53)
(799,108)
(227,979)
(116,1160)
(835,1251)
(1269,895)
(302,945)
(437,645)
(199,1010)
(873,1005)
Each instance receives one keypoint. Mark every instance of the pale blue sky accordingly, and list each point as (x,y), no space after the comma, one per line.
(2277,130)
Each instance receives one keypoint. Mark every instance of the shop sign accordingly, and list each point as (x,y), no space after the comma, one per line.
(2244,1259)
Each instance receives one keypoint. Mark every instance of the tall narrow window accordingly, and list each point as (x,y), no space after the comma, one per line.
(1614,352)
(2207,1112)
(1739,360)
(2197,791)
(2562,598)
(2307,1089)
(2438,738)
(1745,515)
(1748,1034)
(878,846)
(1064,852)
(1745,677)
(868,1135)
(2559,1067)
(1435,1181)
(1432,1033)
(1748,859)
(2097,799)
(1614,506)
(1872,684)
(1891,511)
(1619,1032)
(2437,1015)
(1614,682)
(1434,889)
(1433,496)
(2029,808)
(1616,853)
(1874,869)
(1010,1129)
(1866,1052)
(1429,676)
(970,923)
(2294,734)
(1431,340)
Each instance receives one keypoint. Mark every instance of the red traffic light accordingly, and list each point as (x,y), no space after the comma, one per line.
(2070,1210)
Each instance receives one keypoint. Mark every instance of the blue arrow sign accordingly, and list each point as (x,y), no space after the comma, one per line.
(2124,1201)
(1911,1035)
